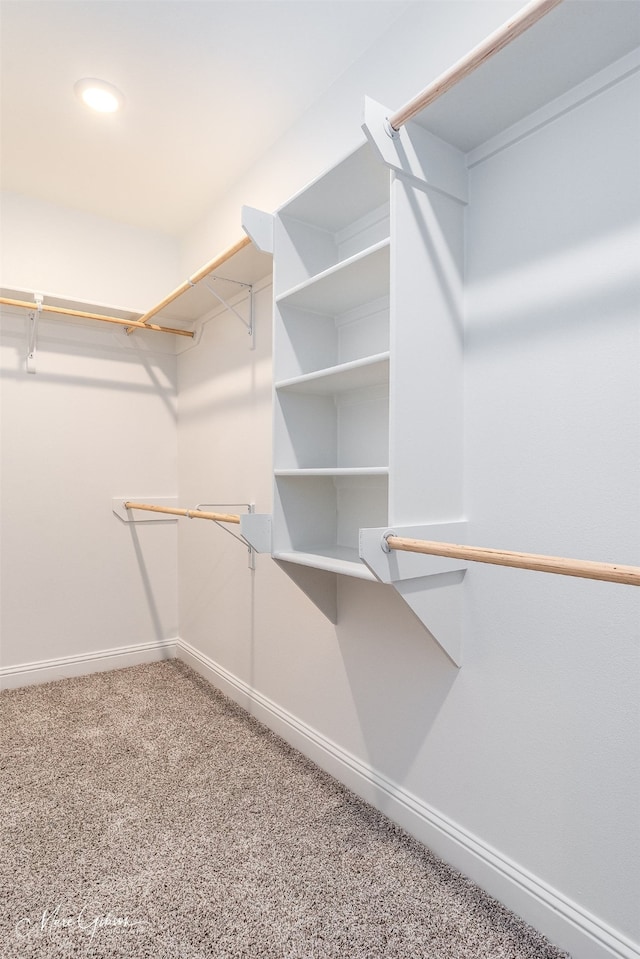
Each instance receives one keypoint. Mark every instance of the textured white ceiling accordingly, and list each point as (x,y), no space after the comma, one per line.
(210,84)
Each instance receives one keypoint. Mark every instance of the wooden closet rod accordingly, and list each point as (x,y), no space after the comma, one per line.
(200,275)
(135,324)
(190,513)
(609,572)
(471,61)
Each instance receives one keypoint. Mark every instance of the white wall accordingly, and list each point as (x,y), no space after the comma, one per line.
(419,46)
(525,761)
(97,420)
(522,767)
(51,249)
(553,466)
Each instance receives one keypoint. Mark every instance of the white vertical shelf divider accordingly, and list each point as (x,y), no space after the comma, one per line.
(368,374)
(428,198)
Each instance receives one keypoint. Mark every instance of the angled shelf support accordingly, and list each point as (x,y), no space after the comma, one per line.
(318,585)
(248,324)
(165,509)
(256,530)
(416,153)
(430,585)
(216,507)
(258,226)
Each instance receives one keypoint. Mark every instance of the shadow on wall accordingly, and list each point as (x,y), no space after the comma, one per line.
(154,613)
(398,675)
(594,285)
(60,355)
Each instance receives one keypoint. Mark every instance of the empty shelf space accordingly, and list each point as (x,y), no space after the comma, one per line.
(308,342)
(349,284)
(370,371)
(321,514)
(344,194)
(332,431)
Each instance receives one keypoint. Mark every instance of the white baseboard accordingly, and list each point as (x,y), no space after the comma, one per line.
(29,674)
(563,922)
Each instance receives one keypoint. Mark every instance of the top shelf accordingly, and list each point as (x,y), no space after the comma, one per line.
(242,268)
(566,47)
(248,266)
(341,214)
(342,196)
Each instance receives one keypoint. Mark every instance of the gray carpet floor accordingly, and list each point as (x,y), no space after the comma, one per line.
(145,815)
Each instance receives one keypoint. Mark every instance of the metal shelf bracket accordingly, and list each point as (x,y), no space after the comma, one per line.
(248,324)
(32,345)
(215,507)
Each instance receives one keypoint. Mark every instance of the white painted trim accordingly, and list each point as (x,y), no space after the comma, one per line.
(82,664)
(614,73)
(563,922)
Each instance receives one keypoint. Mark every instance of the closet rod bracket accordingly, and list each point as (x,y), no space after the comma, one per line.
(251,558)
(32,345)
(248,324)
(389,130)
(429,585)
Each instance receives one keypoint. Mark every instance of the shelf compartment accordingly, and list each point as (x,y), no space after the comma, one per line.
(359,279)
(332,430)
(322,516)
(357,374)
(340,214)
(312,342)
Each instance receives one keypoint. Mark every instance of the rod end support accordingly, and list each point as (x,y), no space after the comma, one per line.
(384,540)
(389,130)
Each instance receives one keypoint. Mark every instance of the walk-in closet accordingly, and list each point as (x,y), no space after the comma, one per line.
(320,479)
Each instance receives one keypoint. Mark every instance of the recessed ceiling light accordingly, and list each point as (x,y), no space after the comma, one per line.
(99,95)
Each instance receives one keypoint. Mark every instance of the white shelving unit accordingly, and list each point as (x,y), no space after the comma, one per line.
(331,360)
(358,306)
(369,319)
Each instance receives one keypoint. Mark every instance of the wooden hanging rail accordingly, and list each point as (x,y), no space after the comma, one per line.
(135,324)
(190,513)
(142,323)
(586,569)
(500,38)
(199,275)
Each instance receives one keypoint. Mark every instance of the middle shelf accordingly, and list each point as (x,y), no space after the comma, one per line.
(332,430)
(368,371)
(320,515)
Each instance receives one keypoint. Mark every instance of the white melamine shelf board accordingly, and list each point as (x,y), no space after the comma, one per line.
(357,280)
(335,471)
(353,188)
(248,265)
(567,46)
(335,559)
(370,371)
(67,303)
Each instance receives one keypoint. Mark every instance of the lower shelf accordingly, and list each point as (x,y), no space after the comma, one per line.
(334,559)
